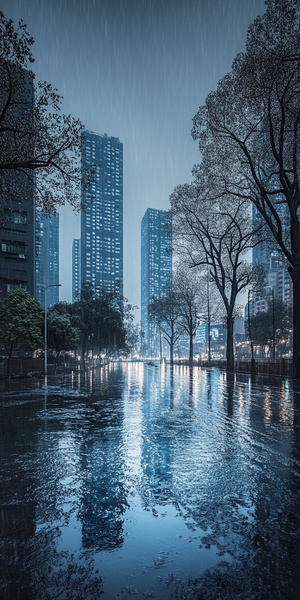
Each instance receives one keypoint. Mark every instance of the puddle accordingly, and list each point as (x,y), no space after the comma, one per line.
(149,484)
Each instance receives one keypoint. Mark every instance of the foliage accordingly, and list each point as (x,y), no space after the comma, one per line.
(99,322)
(215,233)
(99,316)
(188,289)
(38,144)
(275,320)
(131,329)
(248,132)
(62,335)
(21,321)
(165,311)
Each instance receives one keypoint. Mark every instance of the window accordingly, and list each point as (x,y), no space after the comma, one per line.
(14,248)
(15,216)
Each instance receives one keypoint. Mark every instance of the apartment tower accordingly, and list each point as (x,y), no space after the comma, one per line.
(76,269)
(47,258)
(102,214)
(156,267)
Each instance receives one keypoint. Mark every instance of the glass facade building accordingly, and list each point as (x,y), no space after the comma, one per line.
(277,280)
(47,257)
(156,267)
(102,214)
(76,269)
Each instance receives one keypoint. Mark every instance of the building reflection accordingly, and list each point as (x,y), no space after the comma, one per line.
(102,495)
(223,449)
(18,438)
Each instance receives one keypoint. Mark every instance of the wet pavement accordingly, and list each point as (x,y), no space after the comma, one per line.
(137,481)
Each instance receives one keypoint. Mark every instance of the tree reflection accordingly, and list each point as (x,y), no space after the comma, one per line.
(18,436)
(71,467)
(171,386)
(191,385)
(103,496)
(230,380)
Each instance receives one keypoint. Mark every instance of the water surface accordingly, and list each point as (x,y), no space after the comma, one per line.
(137,481)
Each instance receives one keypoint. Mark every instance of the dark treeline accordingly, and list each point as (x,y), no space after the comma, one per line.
(245,191)
(98,324)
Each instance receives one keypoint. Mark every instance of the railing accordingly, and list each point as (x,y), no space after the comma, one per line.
(23,365)
(281,367)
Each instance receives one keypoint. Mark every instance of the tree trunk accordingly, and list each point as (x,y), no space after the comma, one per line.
(229,345)
(295,275)
(208,343)
(191,352)
(171,352)
(83,351)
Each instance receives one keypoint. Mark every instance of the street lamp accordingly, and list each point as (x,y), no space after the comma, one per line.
(250,336)
(45,330)
(273,324)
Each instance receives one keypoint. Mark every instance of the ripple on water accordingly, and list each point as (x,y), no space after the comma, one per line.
(152,483)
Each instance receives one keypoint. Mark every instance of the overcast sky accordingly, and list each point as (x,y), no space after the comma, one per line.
(137,70)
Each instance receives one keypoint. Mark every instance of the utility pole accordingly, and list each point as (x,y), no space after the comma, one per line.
(250,337)
(208,324)
(273,323)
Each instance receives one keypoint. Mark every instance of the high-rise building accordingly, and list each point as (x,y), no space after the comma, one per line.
(17,231)
(156,265)
(102,214)
(277,281)
(17,212)
(76,269)
(47,258)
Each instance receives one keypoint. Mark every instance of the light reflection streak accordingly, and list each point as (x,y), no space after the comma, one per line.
(125,445)
(241,401)
(267,406)
(133,420)
(285,409)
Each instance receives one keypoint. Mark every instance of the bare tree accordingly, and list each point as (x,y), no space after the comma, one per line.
(188,290)
(248,132)
(165,312)
(39,146)
(216,234)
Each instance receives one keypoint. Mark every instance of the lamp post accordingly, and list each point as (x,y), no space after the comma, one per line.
(208,344)
(250,336)
(273,325)
(45,330)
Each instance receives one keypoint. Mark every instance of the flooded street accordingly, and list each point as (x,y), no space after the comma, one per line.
(137,481)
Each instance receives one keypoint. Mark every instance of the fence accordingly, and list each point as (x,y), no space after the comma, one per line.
(23,365)
(281,367)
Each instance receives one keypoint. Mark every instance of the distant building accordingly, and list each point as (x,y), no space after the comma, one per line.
(76,269)
(279,279)
(17,212)
(218,338)
(47,258)
(277,283)
(156,267)
(102,214)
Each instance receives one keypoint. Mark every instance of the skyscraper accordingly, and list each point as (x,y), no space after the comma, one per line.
(102,214)
(17,212)
(277,281)
(156,265)
(76,269)
(47,257)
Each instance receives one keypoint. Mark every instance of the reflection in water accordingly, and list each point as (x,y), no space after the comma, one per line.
(162,472)
(230,381)
(171,386)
